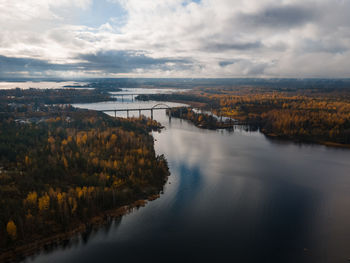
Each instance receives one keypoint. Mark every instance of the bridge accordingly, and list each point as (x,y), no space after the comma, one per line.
(132,95)
(159,106)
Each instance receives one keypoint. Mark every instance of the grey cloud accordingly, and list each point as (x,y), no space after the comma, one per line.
(13,66)
(109,61)
(258,69)
(225,63)
(246,66)
(284,16)
(219,47)
(127,61)
(311,46)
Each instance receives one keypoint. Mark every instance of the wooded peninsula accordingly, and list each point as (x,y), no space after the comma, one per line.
(60,167)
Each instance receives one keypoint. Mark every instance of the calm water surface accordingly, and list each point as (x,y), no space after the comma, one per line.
(231,197)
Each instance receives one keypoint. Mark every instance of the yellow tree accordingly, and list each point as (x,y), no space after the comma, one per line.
(31,202)
(11,229)
(44,202)
(32,198)
(65,162)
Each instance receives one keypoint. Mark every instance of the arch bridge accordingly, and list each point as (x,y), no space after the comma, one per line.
(159,106)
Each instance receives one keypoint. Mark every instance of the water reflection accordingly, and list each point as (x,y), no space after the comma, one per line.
(232,196)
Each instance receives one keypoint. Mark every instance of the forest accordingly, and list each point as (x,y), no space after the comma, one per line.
(71,165)
(313,114)
(53,96)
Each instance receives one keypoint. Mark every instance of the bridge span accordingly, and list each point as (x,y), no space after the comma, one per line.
(132,95)
(159,106)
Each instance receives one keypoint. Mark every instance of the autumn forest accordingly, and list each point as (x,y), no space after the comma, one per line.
(61,167)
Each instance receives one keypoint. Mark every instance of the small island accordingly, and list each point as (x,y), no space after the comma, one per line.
(200,119)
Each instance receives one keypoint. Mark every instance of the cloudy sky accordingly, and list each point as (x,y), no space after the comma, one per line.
(174,38)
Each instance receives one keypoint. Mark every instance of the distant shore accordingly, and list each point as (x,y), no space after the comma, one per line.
(312,115)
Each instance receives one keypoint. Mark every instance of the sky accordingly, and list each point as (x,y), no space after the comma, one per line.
(175,38)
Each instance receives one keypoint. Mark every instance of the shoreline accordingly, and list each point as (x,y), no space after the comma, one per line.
(270,135)
(274,136)
(19,253)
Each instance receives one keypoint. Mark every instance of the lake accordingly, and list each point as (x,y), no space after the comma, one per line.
(233,196)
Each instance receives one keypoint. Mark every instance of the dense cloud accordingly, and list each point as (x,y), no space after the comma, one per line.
(127,61)
(175,38)
(107,62)
(221,47)
(12,67)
